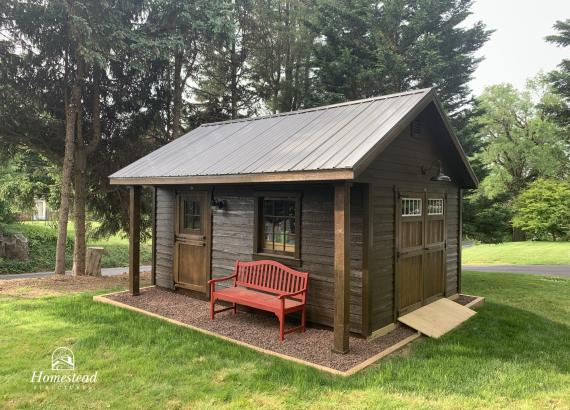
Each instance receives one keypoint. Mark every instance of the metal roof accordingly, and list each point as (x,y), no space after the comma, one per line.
(330,138)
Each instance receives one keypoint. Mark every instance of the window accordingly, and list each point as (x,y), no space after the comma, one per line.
(435,206)
(190,217)
(278,225)
(411,207)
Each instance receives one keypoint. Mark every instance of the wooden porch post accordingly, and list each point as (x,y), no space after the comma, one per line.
(134,239)
(341,266)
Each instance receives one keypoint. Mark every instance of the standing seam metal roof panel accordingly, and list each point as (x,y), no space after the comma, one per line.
(324,138)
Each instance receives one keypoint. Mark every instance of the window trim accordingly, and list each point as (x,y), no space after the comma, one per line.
(292,258)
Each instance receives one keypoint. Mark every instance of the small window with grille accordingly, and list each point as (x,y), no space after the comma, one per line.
(435,206)
(411,207)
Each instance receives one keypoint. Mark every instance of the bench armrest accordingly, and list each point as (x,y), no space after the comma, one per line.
(211,281)
(292,294)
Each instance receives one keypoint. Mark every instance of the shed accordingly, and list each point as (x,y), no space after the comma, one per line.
(363,195)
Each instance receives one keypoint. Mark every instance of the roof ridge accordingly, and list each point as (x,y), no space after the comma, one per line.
(323,107)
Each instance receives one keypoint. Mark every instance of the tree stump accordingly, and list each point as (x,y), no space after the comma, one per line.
(93,261)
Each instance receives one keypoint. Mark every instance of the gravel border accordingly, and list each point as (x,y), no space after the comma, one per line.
(464,299)
(262,330)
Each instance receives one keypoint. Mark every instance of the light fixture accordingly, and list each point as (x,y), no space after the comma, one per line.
(218,203)
(441,176)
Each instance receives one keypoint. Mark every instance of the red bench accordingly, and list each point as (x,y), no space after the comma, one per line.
(265,285)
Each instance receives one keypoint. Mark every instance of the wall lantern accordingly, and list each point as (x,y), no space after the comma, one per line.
(218,204)
(441,176)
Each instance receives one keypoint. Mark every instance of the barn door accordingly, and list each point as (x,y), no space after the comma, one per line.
(434,255)
(409,269)
(192,237)
(420,248)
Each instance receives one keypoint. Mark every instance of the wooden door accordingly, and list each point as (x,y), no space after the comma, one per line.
(420,250)
(192,240)
(410,249)
(434,255)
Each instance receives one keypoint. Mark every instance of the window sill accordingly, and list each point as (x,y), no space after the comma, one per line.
(284,259)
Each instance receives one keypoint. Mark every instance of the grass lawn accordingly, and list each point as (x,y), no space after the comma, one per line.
(514,354)
(42,239)
(518,253)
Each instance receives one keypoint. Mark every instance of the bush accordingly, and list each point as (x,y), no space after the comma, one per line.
(543,209)
(41,242)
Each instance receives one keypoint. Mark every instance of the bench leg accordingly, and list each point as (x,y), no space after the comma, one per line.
(281,318)
(235,308)
(303,317)
(212,303)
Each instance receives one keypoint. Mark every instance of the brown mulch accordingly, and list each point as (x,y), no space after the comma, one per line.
(56,285)
(262,330)
(463,299)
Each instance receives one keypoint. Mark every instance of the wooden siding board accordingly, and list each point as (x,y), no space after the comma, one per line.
(164,241)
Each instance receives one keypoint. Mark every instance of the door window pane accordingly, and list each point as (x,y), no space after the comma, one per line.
(191,217)
(435,206)
(411,207)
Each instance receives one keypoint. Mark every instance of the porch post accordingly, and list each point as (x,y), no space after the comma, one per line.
(134,238)
(341,266)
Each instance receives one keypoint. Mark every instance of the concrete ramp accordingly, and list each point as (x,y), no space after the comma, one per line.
(437,318)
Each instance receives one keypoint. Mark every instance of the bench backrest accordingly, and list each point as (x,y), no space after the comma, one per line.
(271,276)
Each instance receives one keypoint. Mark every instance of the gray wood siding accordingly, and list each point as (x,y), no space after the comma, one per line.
(399,166)
(232,230)
(232,239)
(164,240)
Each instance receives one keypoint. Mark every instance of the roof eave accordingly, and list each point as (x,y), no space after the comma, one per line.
(292,176)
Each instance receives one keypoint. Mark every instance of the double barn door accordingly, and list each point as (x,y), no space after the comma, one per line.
(420,250)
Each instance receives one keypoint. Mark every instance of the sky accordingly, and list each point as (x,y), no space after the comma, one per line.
(517,49)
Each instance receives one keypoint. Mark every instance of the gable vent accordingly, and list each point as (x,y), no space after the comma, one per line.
(416,128)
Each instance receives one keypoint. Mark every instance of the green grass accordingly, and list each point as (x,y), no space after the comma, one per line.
(514,354)
(518,253)
(42,239)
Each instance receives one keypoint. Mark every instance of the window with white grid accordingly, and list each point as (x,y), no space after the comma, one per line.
(411,207)
(435,206)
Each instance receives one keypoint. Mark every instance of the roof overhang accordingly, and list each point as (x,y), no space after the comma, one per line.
(298,176)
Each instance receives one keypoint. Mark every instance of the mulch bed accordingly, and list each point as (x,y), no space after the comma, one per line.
(464,299)
(261,330)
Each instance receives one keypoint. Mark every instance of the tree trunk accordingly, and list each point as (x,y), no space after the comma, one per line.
(80,177)
(234,94)
(80,181)
(178,90)
(70,114)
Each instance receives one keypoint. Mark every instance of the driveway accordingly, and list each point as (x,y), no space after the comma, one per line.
(544,270)
(104,272)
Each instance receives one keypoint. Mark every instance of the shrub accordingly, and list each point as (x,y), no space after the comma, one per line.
(543,209)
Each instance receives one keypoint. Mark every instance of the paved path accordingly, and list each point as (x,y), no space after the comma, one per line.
(104,272)
(545,270)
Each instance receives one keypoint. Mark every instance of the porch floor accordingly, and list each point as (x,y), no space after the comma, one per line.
(262,330)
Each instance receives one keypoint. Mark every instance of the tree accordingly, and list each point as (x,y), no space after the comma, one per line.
(543,209)
(560,78)
(373,48)
(225,85)
(521,142)
(282,53)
